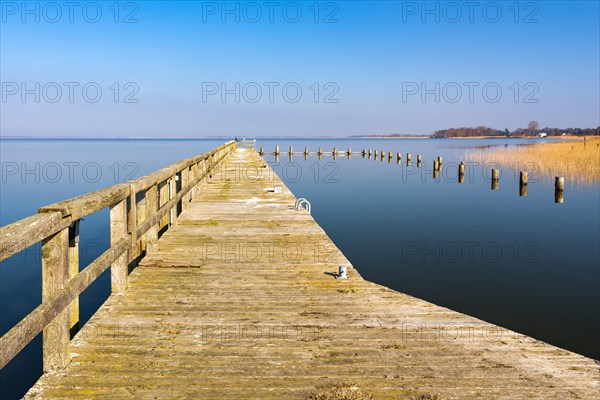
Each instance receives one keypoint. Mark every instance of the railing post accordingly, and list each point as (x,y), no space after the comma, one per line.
(163,198)
(185,180)
(118,231)
(55,275)
(140,242)
(73,271)
(172,194)
(132,223)
(151,209)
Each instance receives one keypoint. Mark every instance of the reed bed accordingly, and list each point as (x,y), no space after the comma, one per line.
(576,160)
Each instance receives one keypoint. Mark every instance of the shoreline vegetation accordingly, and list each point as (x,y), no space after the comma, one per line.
(576,161)
(485,132)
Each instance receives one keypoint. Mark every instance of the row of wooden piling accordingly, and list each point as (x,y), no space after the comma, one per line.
(559,181)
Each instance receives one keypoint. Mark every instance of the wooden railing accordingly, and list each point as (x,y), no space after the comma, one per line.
(134,228)
(246,143)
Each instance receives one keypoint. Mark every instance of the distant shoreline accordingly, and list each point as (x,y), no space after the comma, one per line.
(571,137)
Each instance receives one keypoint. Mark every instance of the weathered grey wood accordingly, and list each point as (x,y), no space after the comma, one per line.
(132,222)
(74,271)
(163,196)
(89,203)
(57,226)
(55,276)
(152,229)
(26,232)
(118,231)
(172,195)
(29,327)
(142,242)
(185,180)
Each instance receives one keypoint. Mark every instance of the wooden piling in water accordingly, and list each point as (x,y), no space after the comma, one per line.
(559,187)
(419,159)
(370,153)
(334,151)
(461,172)
(495,178)
(363,152)
(306,150)
(291,150)
(277,150)
(439,160)
(261,152)
(408,157)
(349,151)
(495,174)
(320,152)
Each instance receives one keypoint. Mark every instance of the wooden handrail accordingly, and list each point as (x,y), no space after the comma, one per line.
(89,203)
(26,232)
(57,226)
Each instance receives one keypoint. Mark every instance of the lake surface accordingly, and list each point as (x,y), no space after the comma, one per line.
(524,263)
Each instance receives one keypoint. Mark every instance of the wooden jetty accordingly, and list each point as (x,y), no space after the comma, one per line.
(238,299)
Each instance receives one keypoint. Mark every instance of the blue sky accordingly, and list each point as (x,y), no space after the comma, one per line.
(296,68)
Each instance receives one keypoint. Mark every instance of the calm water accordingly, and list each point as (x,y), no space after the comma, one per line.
(524,263)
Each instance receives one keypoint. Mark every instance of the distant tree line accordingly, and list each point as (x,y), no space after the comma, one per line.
(531,130)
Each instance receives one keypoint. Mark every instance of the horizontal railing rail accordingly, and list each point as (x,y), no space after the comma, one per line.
(134,229)
(246,143)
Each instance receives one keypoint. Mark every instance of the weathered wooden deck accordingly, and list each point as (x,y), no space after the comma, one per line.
(240,302)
